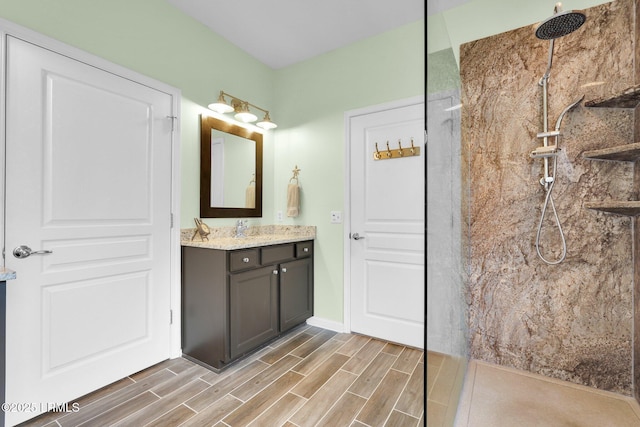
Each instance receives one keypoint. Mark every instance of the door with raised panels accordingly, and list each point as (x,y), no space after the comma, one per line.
(88,192)
(387,225)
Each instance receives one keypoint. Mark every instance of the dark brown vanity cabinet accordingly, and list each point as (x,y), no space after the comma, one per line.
(235,301)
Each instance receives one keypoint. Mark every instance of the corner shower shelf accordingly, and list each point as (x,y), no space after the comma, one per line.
(627,208)
(621,153)
(630,98)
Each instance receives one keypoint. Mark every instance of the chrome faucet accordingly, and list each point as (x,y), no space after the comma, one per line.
(241,227)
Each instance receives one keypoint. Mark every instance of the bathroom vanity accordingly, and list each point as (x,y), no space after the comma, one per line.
(239,294)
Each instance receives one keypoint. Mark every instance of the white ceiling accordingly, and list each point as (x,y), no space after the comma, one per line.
(283,32)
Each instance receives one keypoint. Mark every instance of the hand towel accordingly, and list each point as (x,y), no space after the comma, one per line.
(250,197)
(293,200)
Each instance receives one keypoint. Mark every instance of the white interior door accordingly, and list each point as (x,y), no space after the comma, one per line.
(387,212)
(88,178)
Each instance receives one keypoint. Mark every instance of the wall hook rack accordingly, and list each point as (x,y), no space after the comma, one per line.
(396,153)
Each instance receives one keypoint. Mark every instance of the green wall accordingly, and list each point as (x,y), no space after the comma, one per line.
(312,98)
(307,100)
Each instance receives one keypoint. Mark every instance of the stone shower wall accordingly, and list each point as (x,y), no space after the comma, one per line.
(572,321)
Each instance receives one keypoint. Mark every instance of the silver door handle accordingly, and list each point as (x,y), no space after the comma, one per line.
(356,236)
(24,251)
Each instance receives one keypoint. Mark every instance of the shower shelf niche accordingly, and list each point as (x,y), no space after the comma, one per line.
(630,98)
(627,208)
(621,153)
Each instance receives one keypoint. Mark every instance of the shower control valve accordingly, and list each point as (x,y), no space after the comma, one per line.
(547,180)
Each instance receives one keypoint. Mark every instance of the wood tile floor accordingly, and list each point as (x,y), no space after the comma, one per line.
(310,377)
(445,377)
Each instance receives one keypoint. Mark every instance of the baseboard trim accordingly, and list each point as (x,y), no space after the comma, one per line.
(331,325)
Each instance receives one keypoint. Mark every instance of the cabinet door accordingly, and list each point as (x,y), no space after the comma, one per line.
(296,292)
(253,309)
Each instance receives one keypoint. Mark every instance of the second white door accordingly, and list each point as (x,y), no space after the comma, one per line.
(88,183)
(387,225)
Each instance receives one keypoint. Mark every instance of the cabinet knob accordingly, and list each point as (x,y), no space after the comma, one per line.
(284,269)
(245,259)
(305,250)
(275,271)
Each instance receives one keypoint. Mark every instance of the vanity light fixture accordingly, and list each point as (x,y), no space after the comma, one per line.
(241,108)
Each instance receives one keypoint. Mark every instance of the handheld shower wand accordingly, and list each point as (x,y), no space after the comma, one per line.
(558,25)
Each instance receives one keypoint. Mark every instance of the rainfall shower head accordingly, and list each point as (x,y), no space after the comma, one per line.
(560,24)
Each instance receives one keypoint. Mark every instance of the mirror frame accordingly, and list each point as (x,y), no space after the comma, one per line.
(207,123)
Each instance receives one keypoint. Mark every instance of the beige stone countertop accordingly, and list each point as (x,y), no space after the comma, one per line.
(223,237)
(6,274)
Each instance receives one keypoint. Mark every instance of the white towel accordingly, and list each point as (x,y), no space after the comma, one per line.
(293,200)
(250,197)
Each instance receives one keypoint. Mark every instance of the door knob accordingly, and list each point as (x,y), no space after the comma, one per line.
(356,236)
(24,251)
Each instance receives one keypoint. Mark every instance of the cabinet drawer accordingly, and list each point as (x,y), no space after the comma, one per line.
(240,260)
(304,249)
(274,254)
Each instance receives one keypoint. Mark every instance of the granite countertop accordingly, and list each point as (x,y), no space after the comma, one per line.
(6,274)
(223,237)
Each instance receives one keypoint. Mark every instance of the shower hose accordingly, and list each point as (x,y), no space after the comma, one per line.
(548,200)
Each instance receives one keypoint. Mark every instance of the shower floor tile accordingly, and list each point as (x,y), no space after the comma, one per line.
(496,396)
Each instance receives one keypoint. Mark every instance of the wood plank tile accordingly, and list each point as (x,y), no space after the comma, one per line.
(408,360)
(446,381)
(83,401)
(162,406)
(362,358)
(320,375)
(281,351)
(124,410)
(344,411)
(323,399)
(255,406)
(174,418)
(394,349)
(179,365)
(436,414)
(354,345)
(214,413)
(88,399)
(399,419)
(312,345)
(225,386)
(432,377)
(211,377)
(311,379)
(412,400)
(184,377)
(278,413)
(315,359)
(367,382)
(434,358)
(111,401)
(343,336)
(264,378)
(381,403)
(152,370)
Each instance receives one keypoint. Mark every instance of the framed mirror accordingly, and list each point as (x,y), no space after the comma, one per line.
(230,170)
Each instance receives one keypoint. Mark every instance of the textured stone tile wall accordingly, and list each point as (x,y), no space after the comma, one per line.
(572,321)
